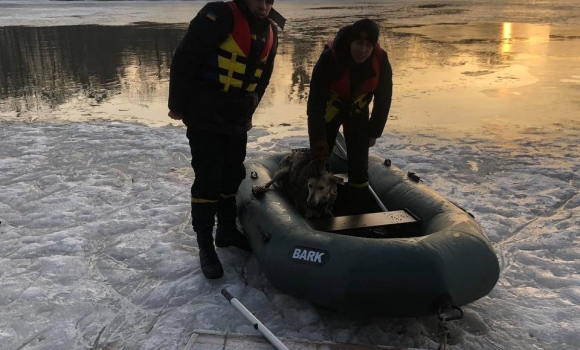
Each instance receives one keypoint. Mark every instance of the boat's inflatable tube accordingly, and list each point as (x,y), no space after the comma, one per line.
(450,260)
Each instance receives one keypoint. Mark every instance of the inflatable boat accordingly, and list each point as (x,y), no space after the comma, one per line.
(410,253)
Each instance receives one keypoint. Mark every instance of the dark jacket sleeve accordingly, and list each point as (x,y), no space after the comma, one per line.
(318,98)
(382,98)
(205,33)
(269,68)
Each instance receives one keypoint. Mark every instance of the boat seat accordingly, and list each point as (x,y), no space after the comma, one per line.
(371,220)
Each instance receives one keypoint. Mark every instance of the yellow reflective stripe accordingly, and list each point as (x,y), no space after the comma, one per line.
(231,64)
(228,195)
(231,82)
(202,200)
(230,45)
(362,102)
(331,110)
(336,103)
(231,68)
(355,185)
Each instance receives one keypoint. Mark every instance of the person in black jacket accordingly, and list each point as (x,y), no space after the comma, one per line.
(351,71)
(218,76)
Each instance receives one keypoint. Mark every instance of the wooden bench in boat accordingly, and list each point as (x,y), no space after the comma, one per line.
(371,220)
(402,221)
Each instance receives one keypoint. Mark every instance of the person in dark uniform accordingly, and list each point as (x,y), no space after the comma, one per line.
(351,72)
(218,76)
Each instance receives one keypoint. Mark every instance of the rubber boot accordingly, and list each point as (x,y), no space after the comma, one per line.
(208,259)
(227,233)
(357,200)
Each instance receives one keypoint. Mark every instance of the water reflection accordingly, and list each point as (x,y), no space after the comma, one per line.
(45,67)
(507,37)
(123,70)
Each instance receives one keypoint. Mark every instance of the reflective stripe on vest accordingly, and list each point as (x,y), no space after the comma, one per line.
(226,68)
(340,94)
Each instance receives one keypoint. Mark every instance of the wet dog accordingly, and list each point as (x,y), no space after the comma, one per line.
(309,183)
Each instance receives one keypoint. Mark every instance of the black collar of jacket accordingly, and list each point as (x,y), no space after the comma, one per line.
(363,70)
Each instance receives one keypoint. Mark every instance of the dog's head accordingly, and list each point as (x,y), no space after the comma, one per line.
(321,183)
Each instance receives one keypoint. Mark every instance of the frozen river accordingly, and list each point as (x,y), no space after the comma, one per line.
(95,245)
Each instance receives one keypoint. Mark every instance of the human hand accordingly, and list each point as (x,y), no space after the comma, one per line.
(175,115)
(319,150)
(372,141)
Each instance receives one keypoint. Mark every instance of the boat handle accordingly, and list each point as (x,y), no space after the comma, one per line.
(450,318)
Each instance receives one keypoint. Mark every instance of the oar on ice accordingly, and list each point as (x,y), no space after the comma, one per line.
(276,343)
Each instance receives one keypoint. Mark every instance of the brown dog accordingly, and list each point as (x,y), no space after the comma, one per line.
(310,183)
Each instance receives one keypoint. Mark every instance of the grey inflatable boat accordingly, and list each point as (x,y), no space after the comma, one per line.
(422,255)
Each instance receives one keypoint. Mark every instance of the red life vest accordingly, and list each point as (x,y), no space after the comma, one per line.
(227,66)
(341,95)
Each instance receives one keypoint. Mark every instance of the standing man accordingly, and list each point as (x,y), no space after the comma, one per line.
(219,73)
(351,72)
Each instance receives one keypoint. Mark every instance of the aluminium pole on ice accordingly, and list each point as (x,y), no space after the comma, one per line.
(257,324)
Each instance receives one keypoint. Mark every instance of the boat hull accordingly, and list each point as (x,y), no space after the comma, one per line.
(450,261)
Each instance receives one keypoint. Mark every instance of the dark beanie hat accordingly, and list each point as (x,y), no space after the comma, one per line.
(364,29)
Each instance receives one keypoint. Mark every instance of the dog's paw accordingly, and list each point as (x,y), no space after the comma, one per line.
(259,190)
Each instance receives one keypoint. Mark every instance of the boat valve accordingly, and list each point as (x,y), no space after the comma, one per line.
(413,176)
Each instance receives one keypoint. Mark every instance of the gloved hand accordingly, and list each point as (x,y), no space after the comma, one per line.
(175,116)
(319,151)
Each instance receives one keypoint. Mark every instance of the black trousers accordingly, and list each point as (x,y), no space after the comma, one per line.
(356,136)
(218,164)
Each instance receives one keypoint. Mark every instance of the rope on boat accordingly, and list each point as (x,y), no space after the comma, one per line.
(443,333)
